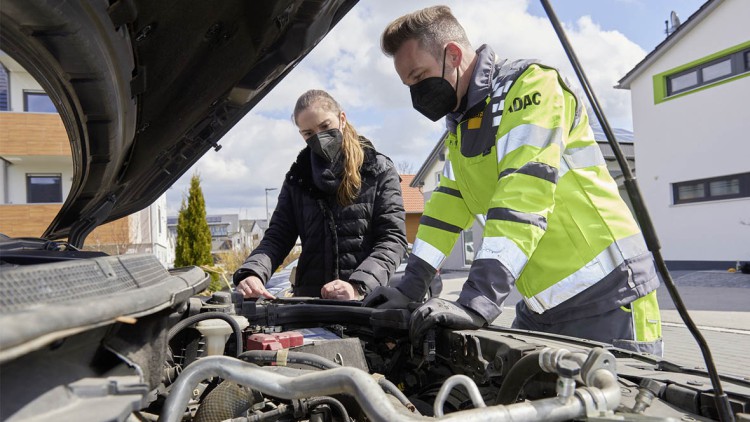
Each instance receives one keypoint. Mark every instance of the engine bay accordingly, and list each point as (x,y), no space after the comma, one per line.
(148,347)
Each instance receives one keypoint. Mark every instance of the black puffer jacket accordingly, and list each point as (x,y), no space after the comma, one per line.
(362,242)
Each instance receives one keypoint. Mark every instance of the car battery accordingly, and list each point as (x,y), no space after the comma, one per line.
(275,341)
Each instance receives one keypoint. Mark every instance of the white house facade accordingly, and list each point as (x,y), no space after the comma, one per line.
(36,173)
(692,120)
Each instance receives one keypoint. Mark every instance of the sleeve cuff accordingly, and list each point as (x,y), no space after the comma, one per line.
(479,303)
(243,273)
(367,281)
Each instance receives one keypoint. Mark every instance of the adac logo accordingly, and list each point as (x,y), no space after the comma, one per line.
(520,103)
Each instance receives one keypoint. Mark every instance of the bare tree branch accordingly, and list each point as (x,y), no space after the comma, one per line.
(405,167)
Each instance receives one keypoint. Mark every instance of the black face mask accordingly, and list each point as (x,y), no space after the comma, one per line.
(326,144)
(434,97)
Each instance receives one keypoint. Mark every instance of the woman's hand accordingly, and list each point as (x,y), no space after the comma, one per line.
(339,290)
(253,287)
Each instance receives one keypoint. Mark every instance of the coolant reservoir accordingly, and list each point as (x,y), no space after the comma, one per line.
(217,332)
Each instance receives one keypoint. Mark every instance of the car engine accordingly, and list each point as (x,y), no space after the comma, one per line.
(107,338)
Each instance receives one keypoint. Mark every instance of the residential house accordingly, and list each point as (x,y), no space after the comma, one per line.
(469,241)
(228,233)
(689,98)
(254,230)
(36,173)
(413,205)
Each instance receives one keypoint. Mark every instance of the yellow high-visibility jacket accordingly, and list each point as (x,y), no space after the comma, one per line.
(523,157)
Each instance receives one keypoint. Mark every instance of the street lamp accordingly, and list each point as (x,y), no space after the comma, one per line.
(267,218)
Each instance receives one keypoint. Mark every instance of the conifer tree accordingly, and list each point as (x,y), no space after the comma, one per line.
(193,245)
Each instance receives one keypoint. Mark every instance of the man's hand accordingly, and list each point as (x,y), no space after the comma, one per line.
(441,312)
(384,297)
(253,287)
(339,290)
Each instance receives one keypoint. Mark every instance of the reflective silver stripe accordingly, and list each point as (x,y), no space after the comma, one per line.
(604,263)
(578,158)
(504,250)
(496,120)
(497,91)
(507,85)
(527,135)
(498,106)
(428,253)
(481,219)
(448,171)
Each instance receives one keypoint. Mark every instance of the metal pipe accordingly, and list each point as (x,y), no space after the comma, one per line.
(647,227)
(269,356)
(445,389)
(371,398)
(355,382)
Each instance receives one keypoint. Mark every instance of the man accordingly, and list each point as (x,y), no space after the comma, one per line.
(521,155)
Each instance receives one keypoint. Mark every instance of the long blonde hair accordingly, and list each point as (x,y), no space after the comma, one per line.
(353,150)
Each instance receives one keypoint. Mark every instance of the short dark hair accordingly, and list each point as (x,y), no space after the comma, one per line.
(432,27)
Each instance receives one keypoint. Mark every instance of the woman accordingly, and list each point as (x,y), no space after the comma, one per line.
(343,199)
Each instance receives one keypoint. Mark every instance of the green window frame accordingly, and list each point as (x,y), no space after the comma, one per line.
(724,66)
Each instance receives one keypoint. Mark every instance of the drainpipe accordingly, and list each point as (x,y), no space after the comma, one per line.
(5,164)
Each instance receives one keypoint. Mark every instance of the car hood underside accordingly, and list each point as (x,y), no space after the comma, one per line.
(146,88)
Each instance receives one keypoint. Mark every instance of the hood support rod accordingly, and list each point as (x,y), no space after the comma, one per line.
(644,220)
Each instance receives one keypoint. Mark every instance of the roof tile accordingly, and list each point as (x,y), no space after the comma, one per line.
(413,199)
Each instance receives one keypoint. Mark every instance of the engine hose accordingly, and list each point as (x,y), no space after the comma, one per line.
(287,410)
(209,315)
(309,359)
(273,415)
(317,401)
(519,374)
(391,389)
(602,390)
(302,358)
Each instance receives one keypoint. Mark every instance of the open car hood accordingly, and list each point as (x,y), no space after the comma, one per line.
(145,88)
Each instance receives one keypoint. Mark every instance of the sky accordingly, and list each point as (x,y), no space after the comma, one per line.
(609,38)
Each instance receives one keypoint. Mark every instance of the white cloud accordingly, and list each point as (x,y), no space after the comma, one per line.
(349,64)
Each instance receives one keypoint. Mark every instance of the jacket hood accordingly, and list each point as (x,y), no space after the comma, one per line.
(301,171)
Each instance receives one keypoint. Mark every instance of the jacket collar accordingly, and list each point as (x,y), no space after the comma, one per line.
(300,173)
(480,85)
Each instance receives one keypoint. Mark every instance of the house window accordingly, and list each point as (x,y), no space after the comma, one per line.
(43,188)
(712,70)
(683,82)
(717,70)
(218,230)
(713,189)
(38,102)
(4,89)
